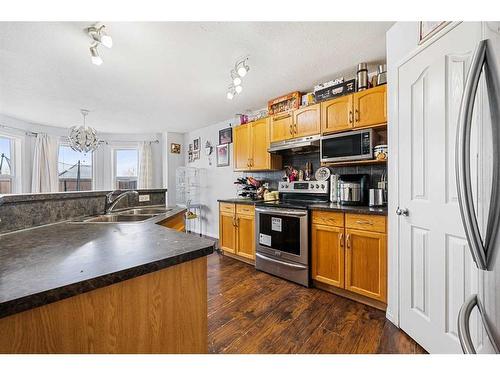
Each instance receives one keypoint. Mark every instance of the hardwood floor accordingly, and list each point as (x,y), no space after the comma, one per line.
(253,312)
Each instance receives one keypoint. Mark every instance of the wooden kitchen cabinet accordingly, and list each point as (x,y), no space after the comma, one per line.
(370,107)
(327,244)
(337,114)
(282,127)
(366,263)
(306,121)
(237,230)
(251,142)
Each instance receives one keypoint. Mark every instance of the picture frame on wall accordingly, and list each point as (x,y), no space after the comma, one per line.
(225,136)
(223,155)
(427,29)
(175,148)
(196,144)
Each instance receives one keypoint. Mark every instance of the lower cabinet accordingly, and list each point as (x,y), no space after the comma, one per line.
(237,230)
(350,254)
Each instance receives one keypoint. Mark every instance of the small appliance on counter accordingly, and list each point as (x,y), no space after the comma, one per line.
(334,188)
(353,189)
(376,198)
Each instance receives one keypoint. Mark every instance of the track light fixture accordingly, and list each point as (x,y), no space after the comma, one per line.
(240,70)
(98,36)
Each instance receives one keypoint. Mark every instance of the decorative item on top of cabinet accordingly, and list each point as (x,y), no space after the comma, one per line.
(306,121)
(284,103)
(251,142)
(236,231)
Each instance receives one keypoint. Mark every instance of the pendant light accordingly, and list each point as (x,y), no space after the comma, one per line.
(83,138)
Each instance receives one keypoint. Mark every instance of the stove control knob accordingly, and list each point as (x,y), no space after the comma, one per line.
(317,186)
(312,186)
(322,186)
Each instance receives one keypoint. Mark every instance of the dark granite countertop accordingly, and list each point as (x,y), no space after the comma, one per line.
(349,209)
(52,262)
(241,201)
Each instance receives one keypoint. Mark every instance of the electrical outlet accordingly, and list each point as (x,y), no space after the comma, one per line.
(144,198)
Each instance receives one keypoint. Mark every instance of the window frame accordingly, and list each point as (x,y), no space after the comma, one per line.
(15,162)
(115,178)
(65,142)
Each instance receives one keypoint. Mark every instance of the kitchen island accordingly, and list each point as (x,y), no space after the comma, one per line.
(79,287)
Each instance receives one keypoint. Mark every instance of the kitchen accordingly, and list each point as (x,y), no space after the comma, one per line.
(342,201)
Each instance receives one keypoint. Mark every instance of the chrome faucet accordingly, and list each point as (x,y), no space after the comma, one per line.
(111,203)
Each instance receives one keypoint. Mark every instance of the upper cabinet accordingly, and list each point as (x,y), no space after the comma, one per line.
(337,114)
(370,107)
(306,121)
(281,127)
(359,110)
(251,142)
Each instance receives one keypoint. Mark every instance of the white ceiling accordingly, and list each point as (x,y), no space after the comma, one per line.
(169,75)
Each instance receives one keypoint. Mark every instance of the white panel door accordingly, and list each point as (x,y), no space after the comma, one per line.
(436,270)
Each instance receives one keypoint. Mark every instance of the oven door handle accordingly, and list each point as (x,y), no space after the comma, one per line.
(291,265)
(282,212)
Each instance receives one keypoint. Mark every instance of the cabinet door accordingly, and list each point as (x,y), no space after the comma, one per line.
(281,127)
(327,246)
(337,114)
(242,148)
(227,232)
(306,121)
(260,159)
(245,237)
(370,107)
(366,263)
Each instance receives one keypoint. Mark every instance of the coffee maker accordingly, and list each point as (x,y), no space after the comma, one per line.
(353,189)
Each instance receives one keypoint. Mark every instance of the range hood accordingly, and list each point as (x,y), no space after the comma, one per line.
(309,143)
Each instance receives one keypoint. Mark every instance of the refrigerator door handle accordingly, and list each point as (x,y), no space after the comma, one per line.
(464,326)
(483,56)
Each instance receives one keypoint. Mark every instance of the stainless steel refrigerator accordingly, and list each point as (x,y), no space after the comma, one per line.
(481,217)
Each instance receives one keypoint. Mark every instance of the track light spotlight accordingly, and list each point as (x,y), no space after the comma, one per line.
(98,34)
(94,55)
(242,67)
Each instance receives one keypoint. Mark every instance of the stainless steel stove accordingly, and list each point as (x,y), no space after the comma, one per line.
(282,230)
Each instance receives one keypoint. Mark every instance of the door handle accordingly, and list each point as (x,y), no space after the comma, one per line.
(464,326)
(348,241)
(350,117)
(291,129)
(295,128)
(357,115)
(291,265)
(364,222)
(341,239)
(481,251)
(402,212)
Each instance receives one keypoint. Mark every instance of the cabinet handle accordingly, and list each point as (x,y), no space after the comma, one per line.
(357,115)
(341,239)
(295,126)
(234,221)
(237,222)
(350,117)
(251,162)
(364,222)
(348,241)
(291,129)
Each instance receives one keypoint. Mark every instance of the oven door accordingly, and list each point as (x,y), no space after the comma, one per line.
(353,145)
(282,233)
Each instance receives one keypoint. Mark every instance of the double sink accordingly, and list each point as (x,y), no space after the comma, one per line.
(132,215)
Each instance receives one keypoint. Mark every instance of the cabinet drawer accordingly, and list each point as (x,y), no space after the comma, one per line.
(226,207)
(372,223)
(245,209)
(328,218)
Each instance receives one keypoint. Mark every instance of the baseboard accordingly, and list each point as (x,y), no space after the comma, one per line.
(237,257)
(347,294)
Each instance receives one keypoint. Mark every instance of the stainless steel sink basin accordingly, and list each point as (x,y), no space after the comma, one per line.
(118,218)
(146,211)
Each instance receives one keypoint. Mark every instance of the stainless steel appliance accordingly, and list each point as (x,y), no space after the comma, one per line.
(376,197)
(353,189)
(298,144)
(362,76)
(352,145)
(382,75)
(483,244)
(282,230)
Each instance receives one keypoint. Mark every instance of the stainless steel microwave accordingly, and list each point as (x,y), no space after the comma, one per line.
(353,145)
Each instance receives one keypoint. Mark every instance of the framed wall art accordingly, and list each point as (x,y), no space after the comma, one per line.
(175,148)
(225,136)
(223,155)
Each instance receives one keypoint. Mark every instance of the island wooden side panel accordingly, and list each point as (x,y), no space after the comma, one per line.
(160,312)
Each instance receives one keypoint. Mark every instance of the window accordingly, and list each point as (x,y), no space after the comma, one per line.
(6,165)
(75,170)
(126,167)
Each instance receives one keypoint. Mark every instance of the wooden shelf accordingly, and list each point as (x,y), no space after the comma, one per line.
(354,163)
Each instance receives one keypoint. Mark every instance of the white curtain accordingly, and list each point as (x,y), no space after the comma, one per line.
(145,166)
(45,178)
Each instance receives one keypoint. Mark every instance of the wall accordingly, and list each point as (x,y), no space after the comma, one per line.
(102,157)
(171,162)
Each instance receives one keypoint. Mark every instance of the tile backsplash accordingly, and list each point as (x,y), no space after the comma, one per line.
(299,161)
